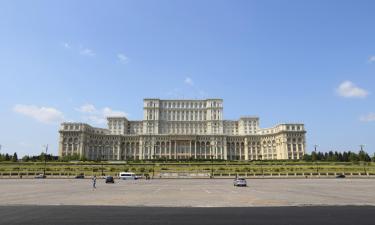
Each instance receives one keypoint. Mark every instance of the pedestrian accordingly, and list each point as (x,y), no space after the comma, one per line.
(94,182)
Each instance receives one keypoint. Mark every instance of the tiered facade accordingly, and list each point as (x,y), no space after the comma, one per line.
(183,129)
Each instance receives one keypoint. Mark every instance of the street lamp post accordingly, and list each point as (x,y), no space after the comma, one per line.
(45,160)
(316,162)
(212,166)
(102,165)
(364,162)
(153,166)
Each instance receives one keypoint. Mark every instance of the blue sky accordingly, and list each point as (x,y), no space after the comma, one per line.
(285,61)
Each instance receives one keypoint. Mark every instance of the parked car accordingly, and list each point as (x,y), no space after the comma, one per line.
(40,176)
(127,176)
(80,176)
(340,176)
(239,182)
(109,179)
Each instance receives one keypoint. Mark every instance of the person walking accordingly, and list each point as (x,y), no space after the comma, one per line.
(94,182)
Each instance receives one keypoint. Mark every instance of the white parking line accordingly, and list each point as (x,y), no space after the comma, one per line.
(157,190)
(208,192)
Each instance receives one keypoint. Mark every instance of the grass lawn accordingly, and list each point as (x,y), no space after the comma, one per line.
(258,167)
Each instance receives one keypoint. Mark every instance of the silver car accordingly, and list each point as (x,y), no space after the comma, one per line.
(240,182)
(40,176)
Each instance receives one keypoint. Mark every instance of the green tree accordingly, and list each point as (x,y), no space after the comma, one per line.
(75,156)
(353,157)
(307,157)
(15,157)
(345,157)
(363,156)
(314,156)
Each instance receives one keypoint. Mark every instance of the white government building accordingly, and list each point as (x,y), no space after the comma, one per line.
(183,129)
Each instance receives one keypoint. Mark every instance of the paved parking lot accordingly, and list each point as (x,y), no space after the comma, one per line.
(189,192)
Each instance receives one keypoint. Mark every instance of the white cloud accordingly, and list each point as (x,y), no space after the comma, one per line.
(107,112)
(41,114)
(190,91)
(368,118)
(66,45)
(87,108)
(122,58)
(87,52)
(347,89)
(371,59)
(98,116)
(81,50)
(189,81)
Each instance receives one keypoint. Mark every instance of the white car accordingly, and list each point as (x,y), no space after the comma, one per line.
(128,176)
(40,176)
(239,182)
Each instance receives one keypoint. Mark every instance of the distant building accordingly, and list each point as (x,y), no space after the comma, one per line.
(183,129)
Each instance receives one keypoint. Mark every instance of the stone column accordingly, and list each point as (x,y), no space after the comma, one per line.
(195,149)
(152,149)
(140,149)
(251,152)
(263,150)
(303,148)
(170,149)
(205,150)
(135,149)
(233,151)
(246,150)
(221,150)
(175,149)
(225,149)
(214,150)
(211,150)
(161,150)
(190,149)
(297,150)
(119,151)
(240,150)
(230,152)
(81,145)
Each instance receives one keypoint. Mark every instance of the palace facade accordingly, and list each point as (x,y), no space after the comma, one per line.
(183,129)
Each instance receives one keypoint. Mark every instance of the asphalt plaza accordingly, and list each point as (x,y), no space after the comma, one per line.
(189,192)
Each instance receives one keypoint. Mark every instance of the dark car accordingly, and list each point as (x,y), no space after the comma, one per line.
(109,179)
(80,176)
(340,176)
